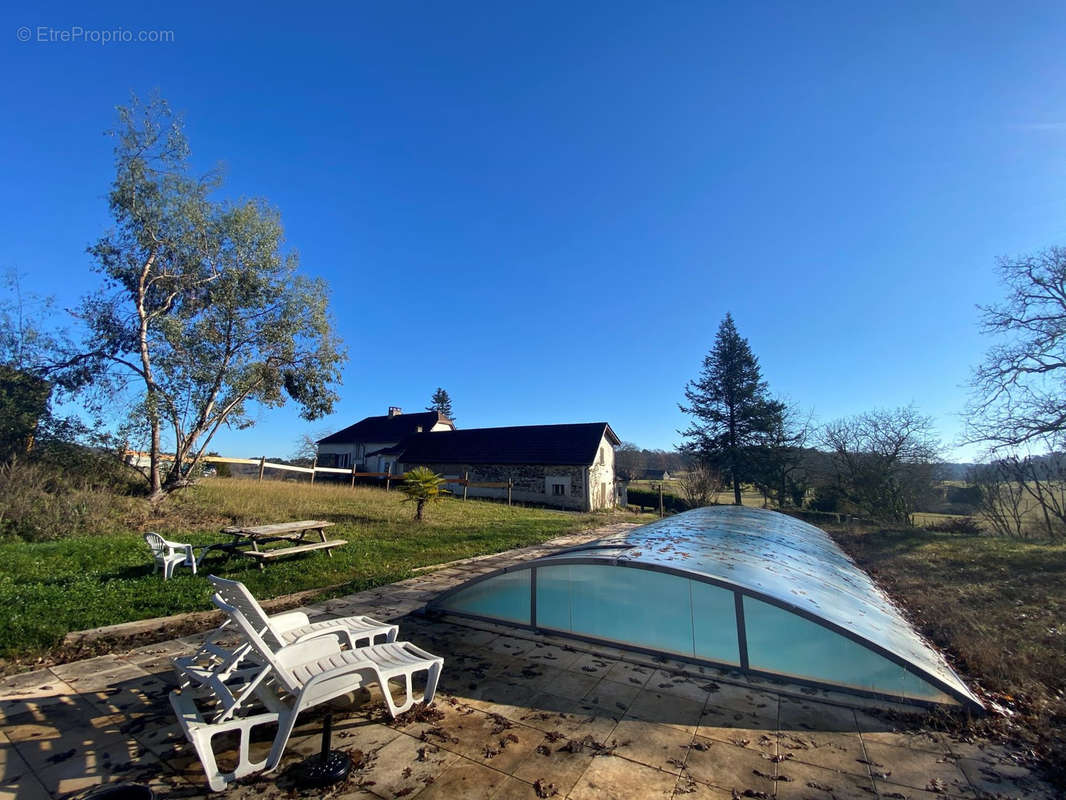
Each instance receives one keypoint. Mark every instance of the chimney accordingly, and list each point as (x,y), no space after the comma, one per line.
(395,411)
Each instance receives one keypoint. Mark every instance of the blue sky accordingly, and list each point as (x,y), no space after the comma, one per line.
(568,198)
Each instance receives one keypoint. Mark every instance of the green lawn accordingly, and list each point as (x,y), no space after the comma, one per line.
(48,589)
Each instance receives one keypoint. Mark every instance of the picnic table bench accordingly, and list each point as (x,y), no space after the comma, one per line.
(293,532)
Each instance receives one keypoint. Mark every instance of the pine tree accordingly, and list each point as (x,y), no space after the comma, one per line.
(733,415)
(441,403)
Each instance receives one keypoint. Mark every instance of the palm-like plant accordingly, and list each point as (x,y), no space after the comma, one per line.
(422,485)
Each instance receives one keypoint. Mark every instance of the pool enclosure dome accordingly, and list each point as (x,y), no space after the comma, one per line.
(745,588)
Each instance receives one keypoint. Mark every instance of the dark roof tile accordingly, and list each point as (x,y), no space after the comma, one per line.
(385,428)
(525,444)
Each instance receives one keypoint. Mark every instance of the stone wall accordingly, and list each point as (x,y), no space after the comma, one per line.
(532,482)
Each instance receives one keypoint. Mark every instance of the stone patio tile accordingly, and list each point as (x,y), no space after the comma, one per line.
(688,789)
(797,781)
(508,749)
(800,715)
(842,752)
(514,789)
(612,694)
(558,761)
(574,720)
(12,766)
(652,744)
(118,759)
(1010,780)
(553,655)
(739,712)
(592,664)
(145,697)
(729,767)
(26,787)
(404,764)
(98,673)
(633,674)
(499,696)
(32,696)
(613,778)
(695,689)
(509,646)
(981,750)
(916,769)
(464,779)
(562,682)
(24,683)
(893,791)
(883,730)
(668,709)
(44,744)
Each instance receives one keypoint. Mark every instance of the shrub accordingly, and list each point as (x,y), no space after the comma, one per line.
(646,498)
(961,525)
(63,490)
(826,498)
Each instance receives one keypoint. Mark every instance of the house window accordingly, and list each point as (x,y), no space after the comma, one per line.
(558,490)
(603,457)
(342,460)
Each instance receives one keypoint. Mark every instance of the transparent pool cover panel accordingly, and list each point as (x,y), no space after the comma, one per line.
(505,596)
(651,610)
(670,586)
(782,642)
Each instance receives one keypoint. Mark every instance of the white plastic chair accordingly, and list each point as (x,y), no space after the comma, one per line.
(292,679)
(170,554)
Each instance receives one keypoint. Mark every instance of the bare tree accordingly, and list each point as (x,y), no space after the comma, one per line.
(629,461)
(700,485)
(883,460)
(1019,392)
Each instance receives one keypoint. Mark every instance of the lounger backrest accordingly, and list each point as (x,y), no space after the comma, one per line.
(157,543)
(251,636)
(237,595)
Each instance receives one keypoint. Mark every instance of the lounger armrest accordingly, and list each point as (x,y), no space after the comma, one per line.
(288,621)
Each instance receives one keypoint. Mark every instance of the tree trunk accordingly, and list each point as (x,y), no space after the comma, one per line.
(421,504)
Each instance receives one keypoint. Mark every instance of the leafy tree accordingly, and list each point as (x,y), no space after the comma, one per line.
(201,313)
(1019,392)
(442,404)
(733,416)
(31,359)
(883,460)
(422,485)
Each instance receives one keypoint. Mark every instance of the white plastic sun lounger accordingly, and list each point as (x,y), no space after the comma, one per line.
(226,672)
(290,680)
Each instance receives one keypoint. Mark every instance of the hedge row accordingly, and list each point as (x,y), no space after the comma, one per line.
(646,498)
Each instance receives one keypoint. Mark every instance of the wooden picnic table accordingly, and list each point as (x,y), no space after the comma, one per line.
(294,532)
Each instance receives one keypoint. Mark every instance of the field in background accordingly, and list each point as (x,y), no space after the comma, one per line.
(996,606)
(48,589)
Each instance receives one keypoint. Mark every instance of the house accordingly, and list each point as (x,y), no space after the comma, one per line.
(369,445)
(567,466)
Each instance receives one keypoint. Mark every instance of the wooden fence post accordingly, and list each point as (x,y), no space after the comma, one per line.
(660,501)
(353,475)
(510,484)
(466,483)
(314,466)
(388,476)
(262,466)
